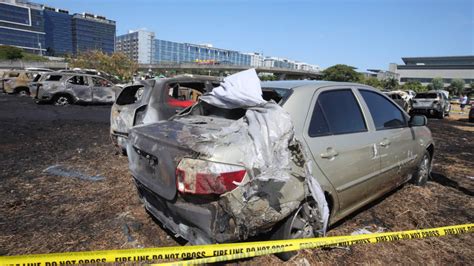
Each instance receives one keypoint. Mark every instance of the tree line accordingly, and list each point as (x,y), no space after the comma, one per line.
(345,73)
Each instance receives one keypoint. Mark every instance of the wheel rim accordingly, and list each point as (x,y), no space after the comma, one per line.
(62,100)
(301,222)
(424,168)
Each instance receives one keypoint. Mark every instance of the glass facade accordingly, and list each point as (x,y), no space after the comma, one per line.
(174,52)
(58,29)
(22,25)
(92,33)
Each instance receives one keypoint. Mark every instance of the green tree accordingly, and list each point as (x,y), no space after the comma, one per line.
(436,84)
(390,84)
(415,86)
(372,81)
(457,86)
(341,73)
(10,52)
(116,64)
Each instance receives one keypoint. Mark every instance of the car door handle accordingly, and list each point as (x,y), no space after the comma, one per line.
(331,153)
(385,143)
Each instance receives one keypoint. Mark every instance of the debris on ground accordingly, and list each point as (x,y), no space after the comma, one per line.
(64,171)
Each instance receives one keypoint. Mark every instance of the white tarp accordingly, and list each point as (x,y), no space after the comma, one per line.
(269,130)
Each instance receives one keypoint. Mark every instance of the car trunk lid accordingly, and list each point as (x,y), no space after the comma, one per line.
(155,150)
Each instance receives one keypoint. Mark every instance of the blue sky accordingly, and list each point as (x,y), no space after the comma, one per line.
(364,34)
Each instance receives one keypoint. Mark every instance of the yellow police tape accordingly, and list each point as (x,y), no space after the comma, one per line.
(223,252)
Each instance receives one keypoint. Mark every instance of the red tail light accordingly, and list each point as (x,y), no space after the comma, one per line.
(205,177)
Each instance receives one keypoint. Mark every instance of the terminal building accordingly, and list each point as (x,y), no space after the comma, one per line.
(424,69)
(22,25)
(141,46)
(46,30)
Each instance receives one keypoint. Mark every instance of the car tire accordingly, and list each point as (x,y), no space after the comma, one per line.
(441,114)
(22,91)
(62,100)
(423,171)
(305,222)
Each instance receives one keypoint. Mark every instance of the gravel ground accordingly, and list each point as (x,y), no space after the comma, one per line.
(42,213)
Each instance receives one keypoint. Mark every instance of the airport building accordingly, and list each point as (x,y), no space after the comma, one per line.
(92,32)
(424,69)
(22,25)
(137,45)
(46,30)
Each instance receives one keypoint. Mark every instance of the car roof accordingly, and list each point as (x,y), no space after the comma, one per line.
(292,84)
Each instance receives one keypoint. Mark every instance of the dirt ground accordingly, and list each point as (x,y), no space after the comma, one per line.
(43,213)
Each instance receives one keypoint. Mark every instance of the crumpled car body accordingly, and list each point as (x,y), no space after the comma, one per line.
(161,99)
(189,171)
(61,88)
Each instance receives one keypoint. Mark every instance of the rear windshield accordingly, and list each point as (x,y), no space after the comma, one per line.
(205,109)
(426,96)
(54,78)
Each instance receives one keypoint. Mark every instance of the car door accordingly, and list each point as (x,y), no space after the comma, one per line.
(79,87)
(341,143)
(102,90)
(395,140)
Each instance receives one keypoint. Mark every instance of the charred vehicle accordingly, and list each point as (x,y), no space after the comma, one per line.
(17,81)
(67,88)
(303,157)
(431,103)
(170,96)
(400,98)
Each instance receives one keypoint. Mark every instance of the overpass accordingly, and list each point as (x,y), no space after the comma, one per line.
(219,69)
(180,68)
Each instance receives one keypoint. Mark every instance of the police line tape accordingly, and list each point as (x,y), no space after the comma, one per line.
(223,252)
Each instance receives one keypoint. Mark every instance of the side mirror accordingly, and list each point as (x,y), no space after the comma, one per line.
(418,121)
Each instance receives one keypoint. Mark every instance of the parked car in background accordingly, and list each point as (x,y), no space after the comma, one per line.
(363,145)
(170,96)
(431,103)
(400,98)
(62,88)
(16,81)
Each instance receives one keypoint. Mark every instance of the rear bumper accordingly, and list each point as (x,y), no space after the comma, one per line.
(427,110)
(203,223)
(119,139)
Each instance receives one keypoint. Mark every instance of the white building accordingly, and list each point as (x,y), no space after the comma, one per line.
(278,62)
(256,59)
(137,44)
(424,69)
(307,67)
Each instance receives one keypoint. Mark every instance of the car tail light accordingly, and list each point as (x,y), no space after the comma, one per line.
(205,177)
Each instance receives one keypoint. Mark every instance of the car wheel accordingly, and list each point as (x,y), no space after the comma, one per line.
(423,170)
(62,100)
(441,114)
(305,222)
(22,92)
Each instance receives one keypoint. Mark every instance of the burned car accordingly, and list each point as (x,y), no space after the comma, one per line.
(305,156)
(16,81)
(67,88)
(432,103)
(170,96)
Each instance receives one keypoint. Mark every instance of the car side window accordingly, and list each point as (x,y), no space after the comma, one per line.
(336,112)
(384,113)
(100,82)
(78,80)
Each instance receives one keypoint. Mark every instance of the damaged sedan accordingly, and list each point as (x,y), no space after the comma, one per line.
(289,158)
(164,97)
